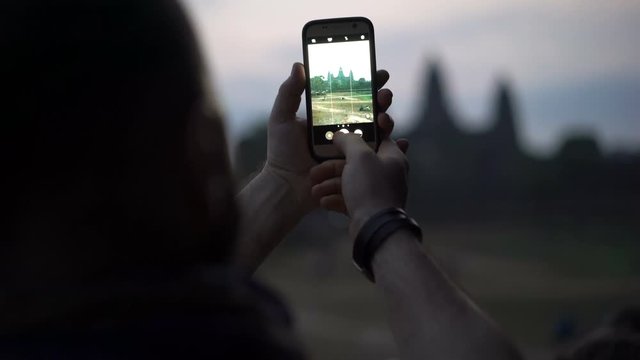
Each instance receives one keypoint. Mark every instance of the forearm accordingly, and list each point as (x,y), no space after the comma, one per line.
(269,208)
(430,317)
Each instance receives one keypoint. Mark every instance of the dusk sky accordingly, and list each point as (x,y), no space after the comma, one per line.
(573,65)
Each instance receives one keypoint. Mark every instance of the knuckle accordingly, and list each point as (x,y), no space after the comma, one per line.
(400,165)
(406,164)
(283,90)
(315,174)
(364,157)
(338,166)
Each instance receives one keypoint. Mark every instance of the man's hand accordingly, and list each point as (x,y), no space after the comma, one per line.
(327,179)
(275,200)
(369,181)
(288,154)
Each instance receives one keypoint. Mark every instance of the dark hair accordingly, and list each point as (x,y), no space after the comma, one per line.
(116,161)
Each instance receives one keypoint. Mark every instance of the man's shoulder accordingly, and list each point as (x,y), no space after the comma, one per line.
(217,311)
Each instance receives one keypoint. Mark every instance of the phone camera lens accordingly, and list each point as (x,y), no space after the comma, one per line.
(355,25)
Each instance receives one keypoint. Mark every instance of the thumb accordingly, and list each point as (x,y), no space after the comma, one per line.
(351,145)
(288,100)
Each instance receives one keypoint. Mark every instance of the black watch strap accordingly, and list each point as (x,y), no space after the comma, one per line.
(375,231)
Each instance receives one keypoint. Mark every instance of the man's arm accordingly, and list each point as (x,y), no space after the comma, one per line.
(279,196)
(269,208)
(275,200)
(430,317)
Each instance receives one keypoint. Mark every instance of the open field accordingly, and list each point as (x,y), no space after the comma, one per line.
(525,281)
(341,108)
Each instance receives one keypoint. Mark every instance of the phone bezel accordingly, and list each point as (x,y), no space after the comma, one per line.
(325,27)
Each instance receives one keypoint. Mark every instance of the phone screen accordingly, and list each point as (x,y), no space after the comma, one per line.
(341,87)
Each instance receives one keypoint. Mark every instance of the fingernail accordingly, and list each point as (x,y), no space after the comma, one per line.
(293,69)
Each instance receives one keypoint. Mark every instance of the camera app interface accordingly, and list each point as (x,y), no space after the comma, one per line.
(340,79)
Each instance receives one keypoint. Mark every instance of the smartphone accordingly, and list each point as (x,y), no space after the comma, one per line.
(341,89)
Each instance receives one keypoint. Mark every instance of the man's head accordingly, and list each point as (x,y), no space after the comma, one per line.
(116,159)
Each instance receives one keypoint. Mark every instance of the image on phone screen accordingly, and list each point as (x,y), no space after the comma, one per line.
(340,62)
(340,76)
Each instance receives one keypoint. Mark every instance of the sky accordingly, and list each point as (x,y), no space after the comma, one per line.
(573,65)
(350,56)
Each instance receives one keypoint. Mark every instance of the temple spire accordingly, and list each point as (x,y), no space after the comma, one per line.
(504,129)
(436,118)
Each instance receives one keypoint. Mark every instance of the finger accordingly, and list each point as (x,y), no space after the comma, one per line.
(328,187)
(386,124)
(326,170)
(351,145)
(385,97)
(334,203)
(388,149)
(382,76)
(403,144)
(289,96)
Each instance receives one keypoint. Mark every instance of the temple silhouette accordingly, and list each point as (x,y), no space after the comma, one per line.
(486,176)
(458,175)
(340,82)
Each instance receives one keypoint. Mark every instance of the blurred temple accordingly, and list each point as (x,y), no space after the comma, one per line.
(459,176)
(545,245)
(486,176)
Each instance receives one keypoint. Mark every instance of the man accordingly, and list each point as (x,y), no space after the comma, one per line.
(121,240)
